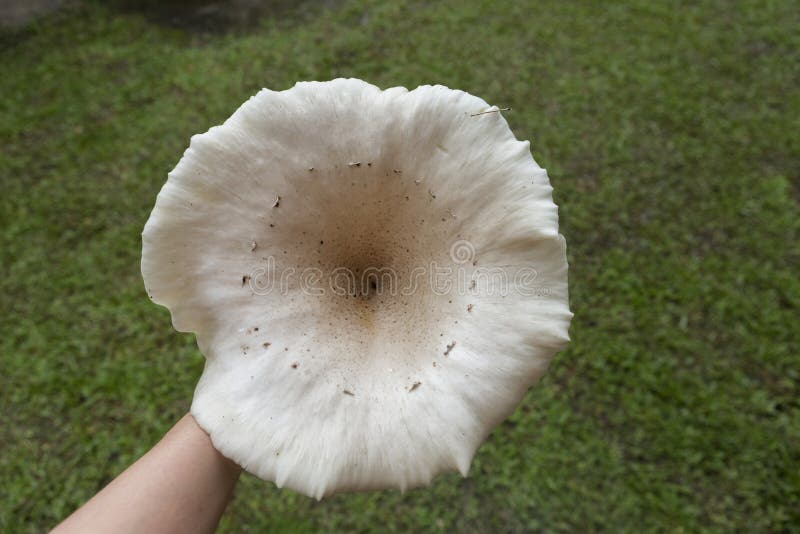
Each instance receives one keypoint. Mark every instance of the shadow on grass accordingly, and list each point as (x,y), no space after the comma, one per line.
(215,16)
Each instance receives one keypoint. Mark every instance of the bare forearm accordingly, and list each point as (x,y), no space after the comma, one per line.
(181,485)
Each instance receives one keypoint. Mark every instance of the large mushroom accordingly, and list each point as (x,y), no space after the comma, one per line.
(375,278)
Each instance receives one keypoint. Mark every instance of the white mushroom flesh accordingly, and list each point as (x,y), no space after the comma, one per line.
(319,377)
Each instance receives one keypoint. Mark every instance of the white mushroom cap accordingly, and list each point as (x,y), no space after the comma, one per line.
(269,217)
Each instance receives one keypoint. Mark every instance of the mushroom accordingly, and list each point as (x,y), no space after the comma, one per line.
(332,412)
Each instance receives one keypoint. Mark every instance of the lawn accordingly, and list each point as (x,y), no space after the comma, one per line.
(670,134)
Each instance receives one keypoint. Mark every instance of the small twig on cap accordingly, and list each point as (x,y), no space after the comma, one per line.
(490,111)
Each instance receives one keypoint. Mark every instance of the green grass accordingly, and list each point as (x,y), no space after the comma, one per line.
(671,137)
